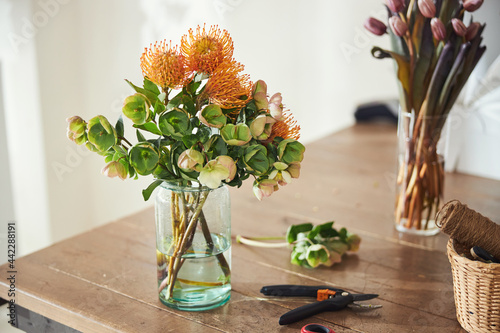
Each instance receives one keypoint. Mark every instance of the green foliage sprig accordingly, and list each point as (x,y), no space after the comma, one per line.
(312,246)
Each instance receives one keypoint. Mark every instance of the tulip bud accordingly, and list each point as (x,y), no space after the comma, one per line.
(459,27)
(472,5)
(398,26)
(427,8)
(395,5)
(472,30)
(375,26)
(438,29)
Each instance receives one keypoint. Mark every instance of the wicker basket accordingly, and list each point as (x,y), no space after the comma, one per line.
(476,286)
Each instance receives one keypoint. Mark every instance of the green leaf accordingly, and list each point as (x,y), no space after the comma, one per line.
(176,101)
(150,86)
(120,130)
(150,95)
(403,65)
(294,230)
(149,127)
(190,140)
(189,106)
(146,193)
(140,137)
(193,86)
(159,108)
(318,229)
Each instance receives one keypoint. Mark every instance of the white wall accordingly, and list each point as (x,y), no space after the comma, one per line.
(315,53)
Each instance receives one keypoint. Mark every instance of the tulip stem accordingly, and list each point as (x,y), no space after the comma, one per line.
(258,241)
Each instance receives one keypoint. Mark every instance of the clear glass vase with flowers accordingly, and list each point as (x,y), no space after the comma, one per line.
(200,124)
(435,53)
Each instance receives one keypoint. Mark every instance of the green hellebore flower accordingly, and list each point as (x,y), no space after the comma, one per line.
(290,151)
(353,242)
(282,177)
(77,126)
(264,188)
(229,163)
(144,158)
(136,108)
(101,134)
(259,86)
(115,169)
(260,95)
(236,135)
(174,123)
(212,174)
(294,169)
(255,159)
(261,127)
(318,254)
(212,116)
(190,160)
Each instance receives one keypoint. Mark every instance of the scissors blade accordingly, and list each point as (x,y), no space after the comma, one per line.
(363,297)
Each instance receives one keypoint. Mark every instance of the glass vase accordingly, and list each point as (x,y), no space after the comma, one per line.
(193,246)
(420,177)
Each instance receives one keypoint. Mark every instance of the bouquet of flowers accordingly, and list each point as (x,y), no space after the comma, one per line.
(198,120)
(435,53)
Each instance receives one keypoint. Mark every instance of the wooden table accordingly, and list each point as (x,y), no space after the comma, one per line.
(104,280)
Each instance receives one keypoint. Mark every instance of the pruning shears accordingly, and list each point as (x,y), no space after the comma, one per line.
(329,299)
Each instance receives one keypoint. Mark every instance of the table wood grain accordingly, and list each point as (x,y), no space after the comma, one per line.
(104,280)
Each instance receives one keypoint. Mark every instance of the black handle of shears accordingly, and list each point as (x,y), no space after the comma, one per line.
(294,290)
(312,309)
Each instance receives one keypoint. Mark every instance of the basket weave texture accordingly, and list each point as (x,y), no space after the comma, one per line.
(476,288)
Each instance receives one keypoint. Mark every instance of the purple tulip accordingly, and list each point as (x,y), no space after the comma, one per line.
(472,30)
(375,26)
(395,5)
(472,5)
(427,8)
(398,26)
(459,27)
(438,29)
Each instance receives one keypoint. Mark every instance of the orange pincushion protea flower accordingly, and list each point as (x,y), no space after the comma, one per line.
(286,129)
(206,50)
(227,87)
(163,65)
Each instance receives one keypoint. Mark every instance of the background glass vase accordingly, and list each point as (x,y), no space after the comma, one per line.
(420,175)
(193,246)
